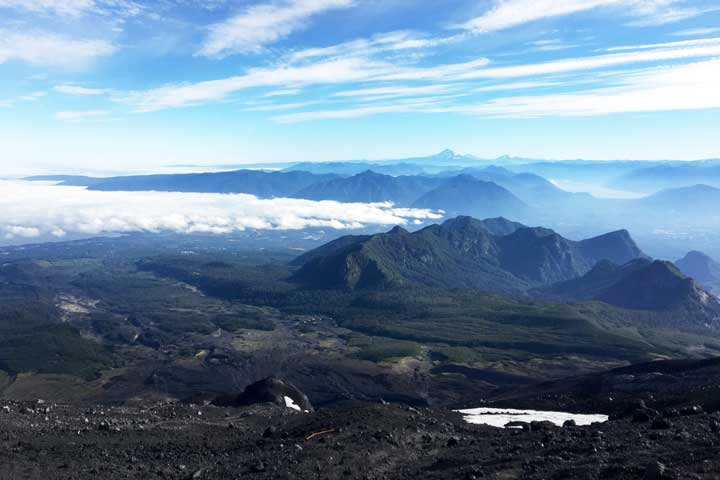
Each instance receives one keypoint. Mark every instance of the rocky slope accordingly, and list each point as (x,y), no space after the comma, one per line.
(360,441)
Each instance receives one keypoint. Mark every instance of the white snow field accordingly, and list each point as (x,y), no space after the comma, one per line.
(499,417)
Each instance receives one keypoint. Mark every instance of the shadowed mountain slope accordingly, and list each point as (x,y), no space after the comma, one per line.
(702,268)
(466,195)
(463,252)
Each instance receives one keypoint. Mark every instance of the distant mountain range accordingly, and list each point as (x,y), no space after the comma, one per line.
(466,195)
(702,268)
(666,176)
(253,182)
(478,192)
(494,255)
(689,199)
(514,188)
(370,186)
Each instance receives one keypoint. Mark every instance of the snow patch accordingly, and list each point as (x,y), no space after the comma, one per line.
(290,403)
(499,417)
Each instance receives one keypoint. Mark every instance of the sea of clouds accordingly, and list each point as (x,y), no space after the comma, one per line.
(38,210)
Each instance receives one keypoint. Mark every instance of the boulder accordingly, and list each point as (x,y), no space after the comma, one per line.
(269,390)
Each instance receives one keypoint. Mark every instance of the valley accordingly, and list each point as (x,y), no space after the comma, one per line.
(142,323)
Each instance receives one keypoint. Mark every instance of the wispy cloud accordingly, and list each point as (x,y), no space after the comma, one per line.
(284,92)
(30,97)
(264,24)
(351,70)
(595,62)
(31,210)
(326,72)
(74,8)
(408,105)
(512,13)
(60,7)
(44,48)
(551,45)
(681,87)
(33,96)
(397,91)
(397,41)
(517,86)
(663,16)
(76,116)
(279,106)
(697,32)
(78,90)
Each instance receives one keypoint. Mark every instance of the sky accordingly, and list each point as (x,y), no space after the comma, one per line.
(121,86)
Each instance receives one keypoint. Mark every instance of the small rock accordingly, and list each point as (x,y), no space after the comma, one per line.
(536,426)
(641,416)
(453,442)
(269,432)
(692,410)
(660,424)
(569,423)
(656,471)
(715,426)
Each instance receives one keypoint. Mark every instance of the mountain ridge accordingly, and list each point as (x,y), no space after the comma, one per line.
(462,252)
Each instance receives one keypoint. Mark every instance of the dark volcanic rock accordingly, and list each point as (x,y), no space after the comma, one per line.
(270,390)
(357,441)
(660,424)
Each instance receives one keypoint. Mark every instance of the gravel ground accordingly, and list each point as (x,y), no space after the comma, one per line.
(358,441)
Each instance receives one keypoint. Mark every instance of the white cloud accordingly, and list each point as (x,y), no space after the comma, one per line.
(511,13)
(31,209)
(43,48)
(278,106)
(595,62)
(30,97)
(76,116)
(283,93)
(60,7)
(327,72)
(264,24)
(398,91)
(680,87)
(409,105)
(338,71)
(396,41)
(670,15)
(77,90)
(33,96)
(697,32)
(516,86)
(334,71)
(75,8)
(682,43)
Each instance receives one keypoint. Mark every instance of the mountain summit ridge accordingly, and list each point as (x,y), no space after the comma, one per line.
(462,252)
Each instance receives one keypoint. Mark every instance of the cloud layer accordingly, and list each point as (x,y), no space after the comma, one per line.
(33,210)
(263,24)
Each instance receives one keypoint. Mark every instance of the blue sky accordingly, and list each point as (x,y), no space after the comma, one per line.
(119,85)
